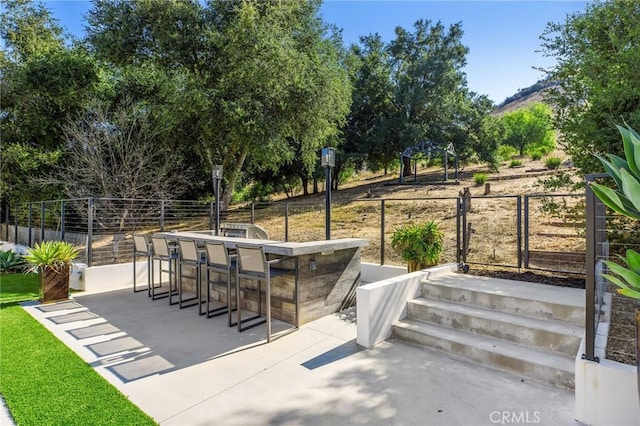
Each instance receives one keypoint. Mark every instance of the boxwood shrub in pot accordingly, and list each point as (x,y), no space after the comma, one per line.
(419,245)
(52,261)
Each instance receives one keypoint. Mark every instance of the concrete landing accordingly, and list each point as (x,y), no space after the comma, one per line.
(183,369)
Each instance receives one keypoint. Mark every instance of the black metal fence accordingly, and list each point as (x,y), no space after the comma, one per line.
(530,231)
(607,235)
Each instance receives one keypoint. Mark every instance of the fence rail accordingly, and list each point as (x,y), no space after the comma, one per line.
(531,231)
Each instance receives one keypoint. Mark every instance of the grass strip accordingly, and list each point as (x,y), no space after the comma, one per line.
(19,287)
(46,383)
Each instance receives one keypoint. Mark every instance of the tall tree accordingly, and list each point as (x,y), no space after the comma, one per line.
(253,75)
(428,79)
(529,129)
(598,57)
(44,84)
(367,129)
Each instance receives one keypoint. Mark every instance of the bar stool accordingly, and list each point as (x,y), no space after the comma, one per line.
(190,256)
(141,247)
(163,252)
(220,261)
(253,265)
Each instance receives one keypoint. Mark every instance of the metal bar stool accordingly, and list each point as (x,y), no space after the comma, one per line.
(141,247)
(190,256)
(220,261)
(253,265)
(164,253)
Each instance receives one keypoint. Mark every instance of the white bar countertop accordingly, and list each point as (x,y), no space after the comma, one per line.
(281,248)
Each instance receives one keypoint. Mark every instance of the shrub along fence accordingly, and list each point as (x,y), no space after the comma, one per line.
(531,231)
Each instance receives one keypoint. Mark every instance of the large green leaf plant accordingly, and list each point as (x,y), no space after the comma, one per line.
(624,200)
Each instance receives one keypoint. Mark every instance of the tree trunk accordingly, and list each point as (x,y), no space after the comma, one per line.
(305,184)
(315,186)
(235,164)
(406,166)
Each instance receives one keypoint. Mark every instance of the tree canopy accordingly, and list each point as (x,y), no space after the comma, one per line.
(598,57)
(413,89)
(529,129)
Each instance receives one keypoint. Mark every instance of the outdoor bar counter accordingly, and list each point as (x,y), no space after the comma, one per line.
(328,273)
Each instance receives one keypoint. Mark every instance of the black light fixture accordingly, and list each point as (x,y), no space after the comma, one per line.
(216,175)
(328,160)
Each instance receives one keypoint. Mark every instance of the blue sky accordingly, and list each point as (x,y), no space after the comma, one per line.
(503,36)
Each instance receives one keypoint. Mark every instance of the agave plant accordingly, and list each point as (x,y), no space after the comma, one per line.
(51,255)
(10,261)
(626,201)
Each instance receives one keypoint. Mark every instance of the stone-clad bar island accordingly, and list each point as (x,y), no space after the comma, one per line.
(328,273)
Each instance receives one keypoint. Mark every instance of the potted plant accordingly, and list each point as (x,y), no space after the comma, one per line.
(420,245)
(626,201)
(52,260)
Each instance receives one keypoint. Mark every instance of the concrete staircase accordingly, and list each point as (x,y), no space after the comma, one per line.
(531,330)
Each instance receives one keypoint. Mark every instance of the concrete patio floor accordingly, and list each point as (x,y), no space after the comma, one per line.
(184,369)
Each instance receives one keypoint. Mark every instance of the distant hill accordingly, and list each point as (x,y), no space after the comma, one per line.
(524,97)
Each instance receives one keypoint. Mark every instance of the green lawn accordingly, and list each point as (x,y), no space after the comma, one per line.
(19,287)
(46,383)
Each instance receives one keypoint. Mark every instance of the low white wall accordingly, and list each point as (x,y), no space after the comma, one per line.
(606,392)
(373,272)
(113,277)
(383,303)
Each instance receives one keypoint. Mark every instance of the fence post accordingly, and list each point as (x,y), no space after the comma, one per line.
(590,265)
(41,221)
(90,232)
(161,215)
(519,229)
(526,231)
(211,215)
(382,242)
(29,224)
(286,221)
(458,249)
(465,236)
(62,220)
(15,219)
(6,222)
(253,213)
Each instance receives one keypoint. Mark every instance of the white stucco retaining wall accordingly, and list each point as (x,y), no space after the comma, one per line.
(113,277)
(383,303)
(606,392)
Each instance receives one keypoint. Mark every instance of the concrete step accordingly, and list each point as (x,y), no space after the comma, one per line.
(521,298)
(523,361)
(549,335)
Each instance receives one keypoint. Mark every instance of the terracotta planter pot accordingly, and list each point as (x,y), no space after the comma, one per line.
(55,284)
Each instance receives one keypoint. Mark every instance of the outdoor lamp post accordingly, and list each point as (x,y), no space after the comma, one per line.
(328,160)
(216,175)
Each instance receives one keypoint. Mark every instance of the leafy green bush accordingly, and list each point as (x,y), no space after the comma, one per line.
(10,261)
(536,155)
(505,152)
(515,163)
(553,163)
(420,245)
(479,178)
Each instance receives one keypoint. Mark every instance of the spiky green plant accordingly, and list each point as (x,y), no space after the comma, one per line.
(10,261)
(624,200)
(50,254)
